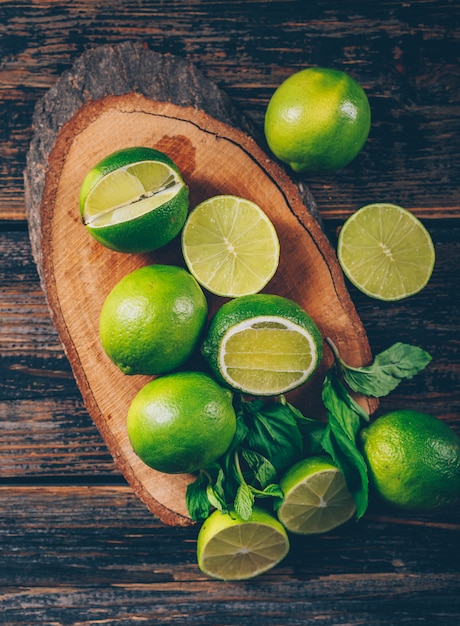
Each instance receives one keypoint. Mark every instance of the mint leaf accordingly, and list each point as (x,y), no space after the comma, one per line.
(311,430)
(262,469)
(345,420)
(338,402)
(273,432)
(196,498)
(216,492)
(244,501)
(400,361)
(270,491)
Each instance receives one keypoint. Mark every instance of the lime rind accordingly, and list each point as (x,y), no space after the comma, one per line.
(386,252)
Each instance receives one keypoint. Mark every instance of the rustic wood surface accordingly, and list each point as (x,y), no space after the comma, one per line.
(76,545)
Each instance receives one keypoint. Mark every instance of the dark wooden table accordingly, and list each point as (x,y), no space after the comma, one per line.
(76,546)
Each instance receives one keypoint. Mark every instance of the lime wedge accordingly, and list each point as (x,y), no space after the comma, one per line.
(316,497)
(386,252)
(230,246)
(130,192)
(230,548)
(263,344)
(134,200)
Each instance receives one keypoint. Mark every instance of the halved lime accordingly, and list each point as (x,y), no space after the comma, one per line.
(230,548)
(316,497)
(262,344)
(386,252)
(230,246)
(134,200)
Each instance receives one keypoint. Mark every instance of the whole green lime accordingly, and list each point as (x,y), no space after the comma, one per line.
(134,200)
(181,422)
(152,320)
(317,120)
(413,460)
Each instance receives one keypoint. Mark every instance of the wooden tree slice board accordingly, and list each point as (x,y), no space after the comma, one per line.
(215,157)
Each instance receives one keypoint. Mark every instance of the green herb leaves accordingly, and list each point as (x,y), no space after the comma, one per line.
(272,435)
(400,361)
(346,417)
(267,441)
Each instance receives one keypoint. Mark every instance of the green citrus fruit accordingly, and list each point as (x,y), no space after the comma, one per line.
(386,252)
(316,497)
(262,344)
(230,548)
(181,422)
(230,246)
(413,460)
(317,120)
(152,320)
(134,200)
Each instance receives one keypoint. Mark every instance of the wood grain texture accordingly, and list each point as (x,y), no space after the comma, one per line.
(404,54)
(142,571)
(76,546)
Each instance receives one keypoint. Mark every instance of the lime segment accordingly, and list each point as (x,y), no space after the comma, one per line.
(232,549)
(230,246)
(130,192)
(316,497)
(386,252)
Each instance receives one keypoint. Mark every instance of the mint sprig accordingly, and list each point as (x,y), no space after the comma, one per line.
(346,417)
(268,440)
(399,362)
(272,435)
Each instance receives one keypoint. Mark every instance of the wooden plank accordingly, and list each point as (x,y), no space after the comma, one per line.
(94,554)
(404,54)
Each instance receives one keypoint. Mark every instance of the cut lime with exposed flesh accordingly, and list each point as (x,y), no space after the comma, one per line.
(262,344)
(386,252)
(230,246)
(230,548)
(134,200)
(316,497)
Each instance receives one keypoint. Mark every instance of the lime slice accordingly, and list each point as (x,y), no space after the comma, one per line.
(263,344)
(230,548)
(316,497)
(230,246)
(134,200)
(386,252)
